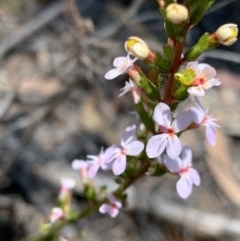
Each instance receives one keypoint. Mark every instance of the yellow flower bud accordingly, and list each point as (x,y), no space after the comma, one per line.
(176,13)
(137,47)
(227,34)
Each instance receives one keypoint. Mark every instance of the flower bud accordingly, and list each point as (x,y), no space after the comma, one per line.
(227,34)
(137,47)
(176,13)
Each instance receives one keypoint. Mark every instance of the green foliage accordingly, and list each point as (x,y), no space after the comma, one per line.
(156,169)
(175,31)
(181,93)
(164,59)
(204,44)
(89,192)
(197,9)
(144,116)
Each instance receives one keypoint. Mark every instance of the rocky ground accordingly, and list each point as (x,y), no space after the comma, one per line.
(56,106)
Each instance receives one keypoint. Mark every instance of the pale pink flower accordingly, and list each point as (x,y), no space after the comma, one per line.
(168,128)
(129,146)
(131,87)
(122,65)
(67,185)
(56,214)
(182,166)
(204,78)
(111,207)
(92,164)
(202,118)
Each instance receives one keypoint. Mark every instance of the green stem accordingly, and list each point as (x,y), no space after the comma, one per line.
(51,234)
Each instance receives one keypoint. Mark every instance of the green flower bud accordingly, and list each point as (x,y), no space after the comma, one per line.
(186,77)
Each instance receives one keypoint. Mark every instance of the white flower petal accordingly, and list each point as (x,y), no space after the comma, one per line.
(162,115)
(174,147)
(173,165)
(113,73)
(134,148)
(156,145)
(195,176)
(196,91)
(184,187)
(182,121)
(119,165)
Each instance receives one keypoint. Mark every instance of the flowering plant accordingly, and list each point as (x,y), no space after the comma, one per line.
(154,146)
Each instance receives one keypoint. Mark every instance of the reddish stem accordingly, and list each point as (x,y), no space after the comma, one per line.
(178,48)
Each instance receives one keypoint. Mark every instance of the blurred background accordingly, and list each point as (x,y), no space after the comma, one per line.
(55,106)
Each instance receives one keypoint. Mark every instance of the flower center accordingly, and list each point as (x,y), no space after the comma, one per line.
(122,152)
(184,171)
(124,65)
(198,81)
(168,131)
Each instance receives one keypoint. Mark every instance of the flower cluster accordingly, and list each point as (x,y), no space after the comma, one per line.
(165,143)
(61,211)
(156,100)
(173,74)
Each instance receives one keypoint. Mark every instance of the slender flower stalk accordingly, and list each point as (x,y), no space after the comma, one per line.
(153,146)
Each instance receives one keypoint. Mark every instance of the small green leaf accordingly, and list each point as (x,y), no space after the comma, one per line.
(144,117)
(181,93)
(204,44)
(198,9)
(164,59)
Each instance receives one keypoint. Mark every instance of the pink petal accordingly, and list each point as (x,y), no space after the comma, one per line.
(186,157)
(207,71)
(104,208)
(210,83)
(134,148)
(195,176)
(182,121)
(210,134)
(162,115)
(79,164)
(117,62)
(119,165)
(111,74)
(173,147)
(173,165)
(128,134)
(184,187)
(156,145)
(197,115)
(110,154)
(113,212)
(92,170)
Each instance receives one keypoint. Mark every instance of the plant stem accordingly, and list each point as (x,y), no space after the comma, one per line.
(51,234)
(178,48)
